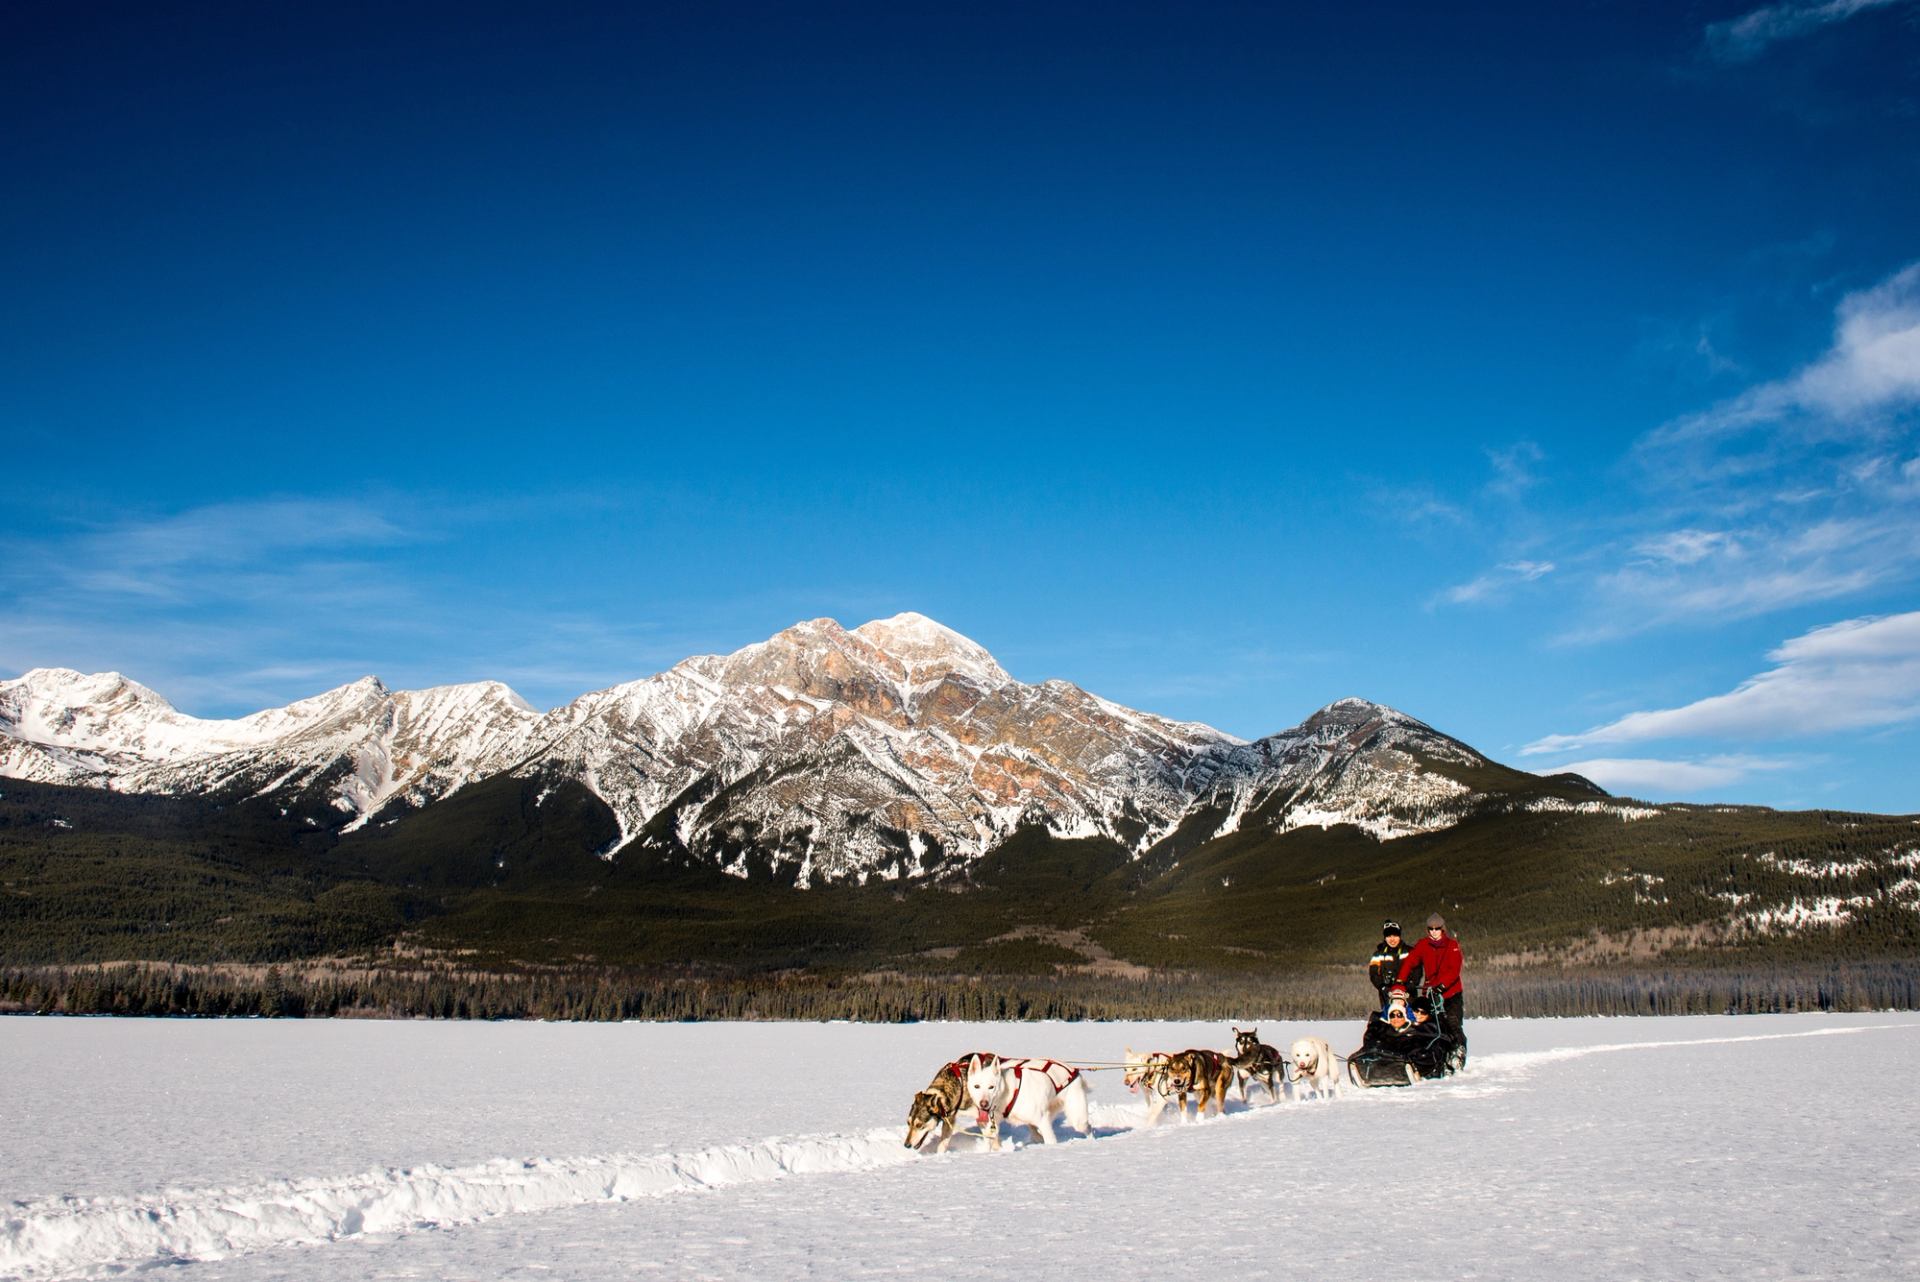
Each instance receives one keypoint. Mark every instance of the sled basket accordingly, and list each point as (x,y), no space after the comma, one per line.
(1389,1059)
(1371,1068)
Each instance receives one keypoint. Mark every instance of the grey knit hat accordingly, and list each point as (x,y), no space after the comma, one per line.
(1437,920)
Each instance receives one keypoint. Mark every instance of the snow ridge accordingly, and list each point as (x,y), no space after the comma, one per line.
(96,1236)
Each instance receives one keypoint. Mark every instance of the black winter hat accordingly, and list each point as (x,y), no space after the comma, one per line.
(1389,927)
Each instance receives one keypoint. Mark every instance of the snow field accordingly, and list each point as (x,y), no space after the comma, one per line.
(1653,1148)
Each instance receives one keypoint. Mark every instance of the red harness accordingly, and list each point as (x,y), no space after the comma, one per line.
(1023,1066)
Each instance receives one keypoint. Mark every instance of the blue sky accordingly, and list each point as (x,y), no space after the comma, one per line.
(1551,374)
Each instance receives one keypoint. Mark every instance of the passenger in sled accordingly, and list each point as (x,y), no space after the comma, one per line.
(1398,1048)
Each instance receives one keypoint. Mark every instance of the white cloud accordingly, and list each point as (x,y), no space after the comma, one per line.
(1745,38)
(1738,593)
(1513,469)
(1714,361)
(1799,548)
(308,549)
(232,607)
(1796,491)
(1687,547)
(1871,368)
(1853,675)
(1417,505)
(229,532)
(1656,777)
(1494,583)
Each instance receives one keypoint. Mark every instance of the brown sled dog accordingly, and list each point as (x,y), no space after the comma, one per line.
(942,1103)
(1207,1074)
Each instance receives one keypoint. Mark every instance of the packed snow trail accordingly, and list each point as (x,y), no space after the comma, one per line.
(80,1237)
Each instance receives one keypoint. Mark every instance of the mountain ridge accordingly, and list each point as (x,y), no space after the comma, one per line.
(899,748)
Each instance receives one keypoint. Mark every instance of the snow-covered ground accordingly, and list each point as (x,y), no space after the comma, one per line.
(1758,1147)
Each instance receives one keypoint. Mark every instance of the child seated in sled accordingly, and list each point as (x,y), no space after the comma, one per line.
(1391,1027)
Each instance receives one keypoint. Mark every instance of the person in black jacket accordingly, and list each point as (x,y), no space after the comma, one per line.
(1384,968)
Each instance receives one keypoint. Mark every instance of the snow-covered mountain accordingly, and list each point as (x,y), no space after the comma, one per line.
(360,747)
(894,748)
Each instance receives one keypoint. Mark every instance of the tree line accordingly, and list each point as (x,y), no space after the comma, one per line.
(596,994)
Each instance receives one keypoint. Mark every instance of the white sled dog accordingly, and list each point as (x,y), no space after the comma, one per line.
(1147,1073)
(1314,1067)
(1027,1091)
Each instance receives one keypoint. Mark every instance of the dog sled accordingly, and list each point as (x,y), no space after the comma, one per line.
(1400,1056)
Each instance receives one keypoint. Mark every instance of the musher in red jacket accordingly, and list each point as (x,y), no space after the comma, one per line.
(1437,958)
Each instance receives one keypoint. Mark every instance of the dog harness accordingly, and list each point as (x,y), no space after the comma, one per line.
(1053,1071)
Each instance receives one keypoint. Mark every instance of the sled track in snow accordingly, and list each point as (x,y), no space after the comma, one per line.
(71,1237)
(102,1236)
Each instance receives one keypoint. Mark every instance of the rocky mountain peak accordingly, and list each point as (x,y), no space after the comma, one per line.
(1345,716)
(879,669)
(481,698)
(353,699)
(930,650)
(84,689)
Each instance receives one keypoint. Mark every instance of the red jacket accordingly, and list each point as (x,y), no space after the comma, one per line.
(1439,964)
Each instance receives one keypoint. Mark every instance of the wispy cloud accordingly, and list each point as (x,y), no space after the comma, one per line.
(1659,777)
(231,607)
(1871,369)
(1417,505)
(1693,574)
(1713,360)
(1686,547)
(1798,490)
(1745,38)
(1854,675)
(1496,583)
(252,550)
(1515,469)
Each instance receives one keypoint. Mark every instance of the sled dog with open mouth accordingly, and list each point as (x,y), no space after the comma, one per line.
(941,1104)
(1027,1091)
(1205,1074)
(1146,1072)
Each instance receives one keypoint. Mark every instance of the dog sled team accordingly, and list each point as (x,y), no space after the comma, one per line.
(1415,1033)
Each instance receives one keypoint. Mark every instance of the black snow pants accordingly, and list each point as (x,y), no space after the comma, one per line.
(1452,1015)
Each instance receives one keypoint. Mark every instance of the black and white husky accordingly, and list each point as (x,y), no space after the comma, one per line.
(1254,1060)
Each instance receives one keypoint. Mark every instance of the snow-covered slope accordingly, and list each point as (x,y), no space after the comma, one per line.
(891,749)
(358,746)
